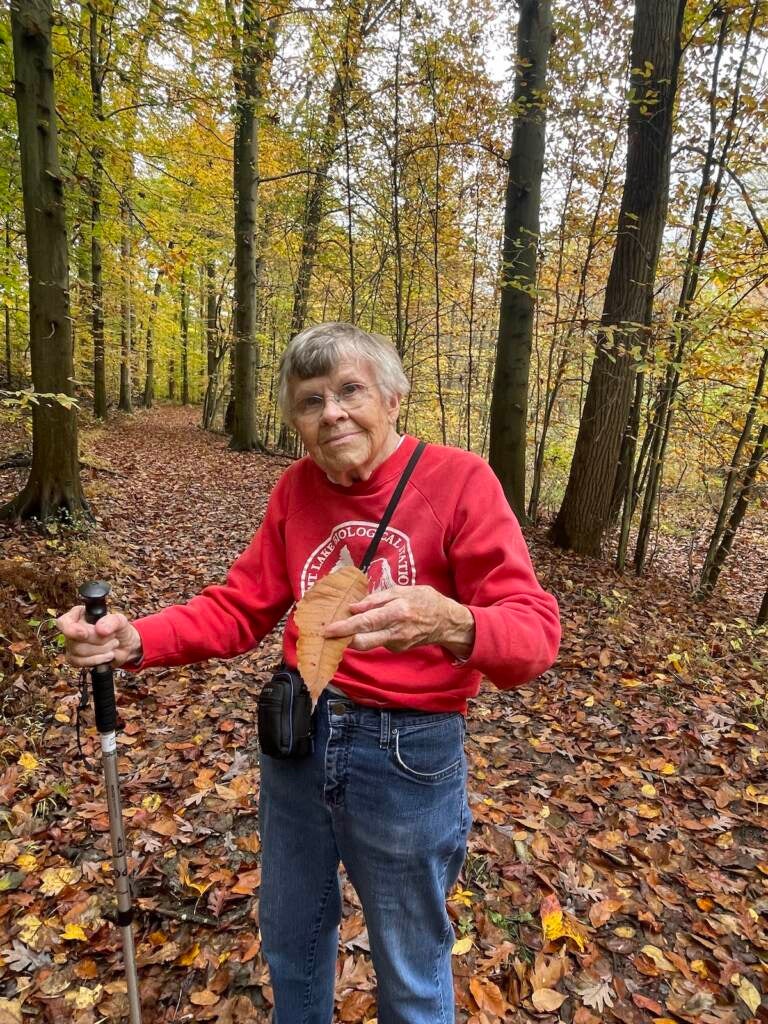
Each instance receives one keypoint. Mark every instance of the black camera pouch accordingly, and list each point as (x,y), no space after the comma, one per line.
(285,716)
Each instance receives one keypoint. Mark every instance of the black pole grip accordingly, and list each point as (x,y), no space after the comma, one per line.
(94,596)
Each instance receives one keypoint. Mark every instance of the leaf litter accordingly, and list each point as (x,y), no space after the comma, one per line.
(617,866)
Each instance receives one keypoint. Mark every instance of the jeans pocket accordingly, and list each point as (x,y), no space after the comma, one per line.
(430,753)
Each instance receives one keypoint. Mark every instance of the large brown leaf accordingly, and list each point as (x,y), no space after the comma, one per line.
(325,602)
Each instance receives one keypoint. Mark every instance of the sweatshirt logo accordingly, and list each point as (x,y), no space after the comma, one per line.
(393,565)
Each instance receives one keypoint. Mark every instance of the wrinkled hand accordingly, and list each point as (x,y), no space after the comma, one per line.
(111,640)
(405,617)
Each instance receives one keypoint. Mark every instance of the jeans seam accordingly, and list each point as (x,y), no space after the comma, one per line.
(313,946)
(448,929)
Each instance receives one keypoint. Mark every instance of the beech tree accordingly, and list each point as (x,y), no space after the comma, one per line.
(509,406)
(655,54)
(53,486)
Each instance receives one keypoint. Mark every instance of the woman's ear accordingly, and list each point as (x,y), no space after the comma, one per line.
(393,408)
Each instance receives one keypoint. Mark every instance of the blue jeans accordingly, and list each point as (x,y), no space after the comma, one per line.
(384,792)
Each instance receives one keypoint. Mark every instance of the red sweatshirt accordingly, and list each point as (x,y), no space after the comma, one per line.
(452,529)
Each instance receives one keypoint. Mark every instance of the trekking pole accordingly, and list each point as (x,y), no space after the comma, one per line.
(94,596)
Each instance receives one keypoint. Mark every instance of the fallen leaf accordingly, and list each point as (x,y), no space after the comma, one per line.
(547,999)
(655,954)
(204,998)
(555,924)
(462,946)
(488,996)
(10,1011)
(748,994)
(601,912)
(595,992)
(83,998)
(53,880)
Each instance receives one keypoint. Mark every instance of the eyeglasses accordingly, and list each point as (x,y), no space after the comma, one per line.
(349,396)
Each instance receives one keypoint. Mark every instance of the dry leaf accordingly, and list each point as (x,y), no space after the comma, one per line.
(747,992)
(488,996)
(595,992)
(325,602)
(547,999)
(10,1011)
(83,998)
(204,998)
(555,924)
(462,946)
(601,912)
(354,1007)
(53,880)
(29,762)
(655,954)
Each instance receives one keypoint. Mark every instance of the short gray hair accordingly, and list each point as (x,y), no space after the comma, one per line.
(317,351)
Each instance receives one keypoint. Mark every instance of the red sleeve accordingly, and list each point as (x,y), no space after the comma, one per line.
(232,618)
(517,624)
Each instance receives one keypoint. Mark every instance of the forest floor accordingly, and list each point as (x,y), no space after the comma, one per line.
(618,863)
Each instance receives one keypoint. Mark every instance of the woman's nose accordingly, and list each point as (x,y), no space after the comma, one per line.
(332,410)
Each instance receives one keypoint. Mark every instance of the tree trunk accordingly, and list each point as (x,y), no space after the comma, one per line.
(149,376)
(707,200)
(7,308)
(97,289)
(211,331)
(580,316)
(585,512)
(712,569)
(509,404)
(53,486)
(622,489)
(125,404)
(762,615)
(251,68)
(732,476)
(184,325)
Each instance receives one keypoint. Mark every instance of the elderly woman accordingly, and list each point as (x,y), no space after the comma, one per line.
(452,598)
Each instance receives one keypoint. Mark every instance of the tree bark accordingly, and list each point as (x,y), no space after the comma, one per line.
(125,403)
(149,375)
(7,308)
(184,325)
(706,206)
(211,331)
(53,486)
(509,403)
(585,512)
(97,175)
(251,69)
(732,478)
(712,569)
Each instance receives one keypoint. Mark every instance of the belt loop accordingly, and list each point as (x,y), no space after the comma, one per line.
(384,733)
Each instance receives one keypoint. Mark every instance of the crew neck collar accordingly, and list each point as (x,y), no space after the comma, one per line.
(393,465)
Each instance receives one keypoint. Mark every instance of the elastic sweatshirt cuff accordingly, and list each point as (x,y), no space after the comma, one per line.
(495,656)
(158,642)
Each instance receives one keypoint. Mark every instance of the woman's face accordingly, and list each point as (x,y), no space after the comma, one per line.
(346,441)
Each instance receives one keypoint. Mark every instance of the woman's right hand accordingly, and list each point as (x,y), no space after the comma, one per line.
(111,640)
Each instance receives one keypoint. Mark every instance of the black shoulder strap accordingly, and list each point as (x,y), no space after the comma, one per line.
(368,556)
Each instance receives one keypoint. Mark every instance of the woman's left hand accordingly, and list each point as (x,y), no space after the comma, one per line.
(405,617)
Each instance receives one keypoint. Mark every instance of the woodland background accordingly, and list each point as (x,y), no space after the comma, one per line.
(226,174)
